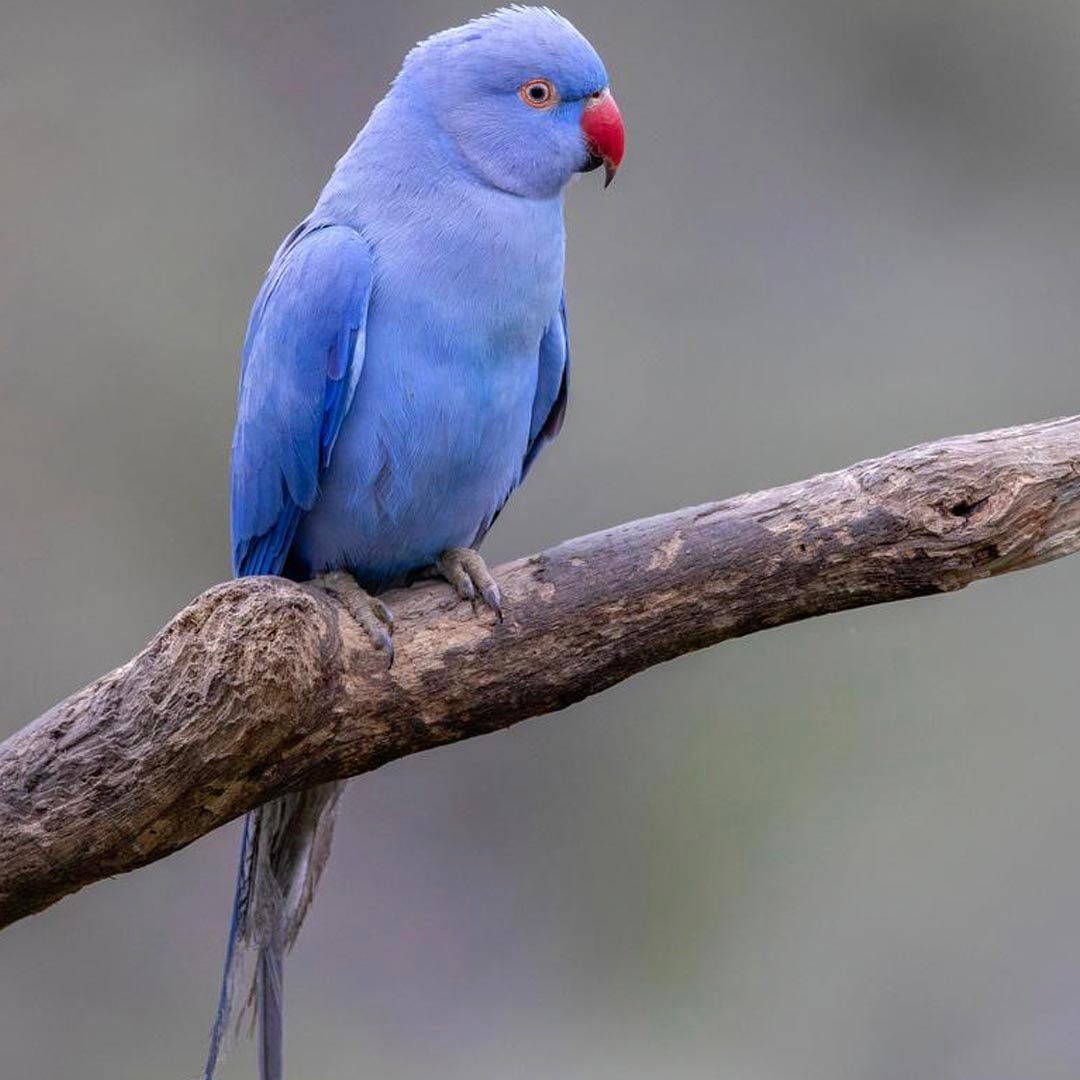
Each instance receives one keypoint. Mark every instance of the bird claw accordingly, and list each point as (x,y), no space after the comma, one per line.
(467,572)
(373,616)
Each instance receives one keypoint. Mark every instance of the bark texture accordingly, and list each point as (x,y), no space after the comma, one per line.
(262,685)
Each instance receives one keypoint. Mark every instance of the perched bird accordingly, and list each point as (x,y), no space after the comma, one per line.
(405,362)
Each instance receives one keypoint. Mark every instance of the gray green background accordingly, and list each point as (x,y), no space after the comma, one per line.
(846,850)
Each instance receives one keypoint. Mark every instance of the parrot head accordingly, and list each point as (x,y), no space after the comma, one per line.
(523,97)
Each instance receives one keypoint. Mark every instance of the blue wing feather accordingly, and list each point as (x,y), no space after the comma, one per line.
(552,387)
(549,400)
(302,358)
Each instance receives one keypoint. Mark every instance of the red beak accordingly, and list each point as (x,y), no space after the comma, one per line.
(603,126)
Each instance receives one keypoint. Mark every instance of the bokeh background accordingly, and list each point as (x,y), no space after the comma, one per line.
(846,850)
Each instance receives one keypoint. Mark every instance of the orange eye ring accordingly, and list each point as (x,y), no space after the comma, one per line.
(538,93)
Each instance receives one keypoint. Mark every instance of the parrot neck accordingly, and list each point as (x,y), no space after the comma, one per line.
(403,154)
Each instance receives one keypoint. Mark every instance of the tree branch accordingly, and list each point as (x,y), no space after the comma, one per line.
(262,685)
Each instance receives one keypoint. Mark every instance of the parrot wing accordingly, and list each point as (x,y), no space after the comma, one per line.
(302,359)
(552,386)
(549,402)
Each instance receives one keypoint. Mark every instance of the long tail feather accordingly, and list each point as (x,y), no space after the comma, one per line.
(226,996)
(285,847)
(270,1009)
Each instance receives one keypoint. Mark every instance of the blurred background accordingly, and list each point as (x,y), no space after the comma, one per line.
(843,850)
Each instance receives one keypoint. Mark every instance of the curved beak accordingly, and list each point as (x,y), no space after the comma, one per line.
(604,132)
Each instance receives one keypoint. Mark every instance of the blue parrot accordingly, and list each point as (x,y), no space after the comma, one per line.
(405,362)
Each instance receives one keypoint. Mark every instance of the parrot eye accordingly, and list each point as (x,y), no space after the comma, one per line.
(539,93)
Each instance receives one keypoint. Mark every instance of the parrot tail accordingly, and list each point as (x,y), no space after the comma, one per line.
(283,852)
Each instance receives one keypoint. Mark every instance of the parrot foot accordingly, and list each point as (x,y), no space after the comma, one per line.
(374,617)
(468,573)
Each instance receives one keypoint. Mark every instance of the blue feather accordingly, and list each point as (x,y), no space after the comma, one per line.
(300,368)
(552,387)
(221,1018)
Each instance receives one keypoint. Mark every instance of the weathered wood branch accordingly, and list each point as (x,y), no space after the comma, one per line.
(263,685)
